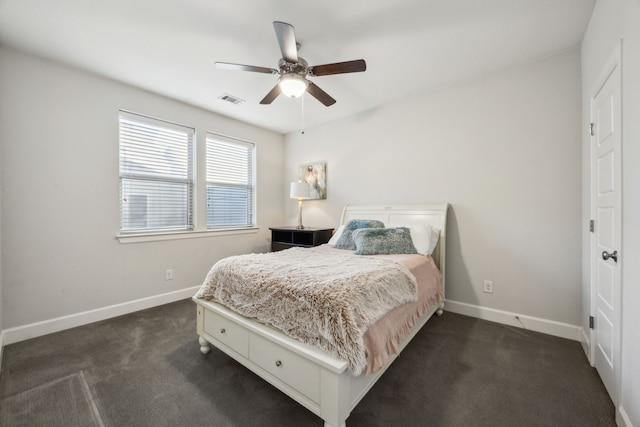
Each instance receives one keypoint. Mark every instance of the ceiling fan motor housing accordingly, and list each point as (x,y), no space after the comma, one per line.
(299,67)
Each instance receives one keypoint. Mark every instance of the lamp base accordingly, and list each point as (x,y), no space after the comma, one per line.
(300,226)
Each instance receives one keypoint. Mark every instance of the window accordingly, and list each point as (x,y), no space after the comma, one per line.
(230,182)
(156,175)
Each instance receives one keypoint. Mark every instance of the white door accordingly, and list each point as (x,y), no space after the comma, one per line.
(606,196)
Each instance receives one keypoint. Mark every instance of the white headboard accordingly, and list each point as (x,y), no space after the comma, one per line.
(434,214)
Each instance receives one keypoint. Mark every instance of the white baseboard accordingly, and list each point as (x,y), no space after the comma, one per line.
(25,332)
(585,340)
(21,333)
(550,327)
(622,418)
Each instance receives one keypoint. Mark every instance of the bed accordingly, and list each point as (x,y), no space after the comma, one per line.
(327,385)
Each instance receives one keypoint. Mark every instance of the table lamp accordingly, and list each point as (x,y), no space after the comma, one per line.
(300,191)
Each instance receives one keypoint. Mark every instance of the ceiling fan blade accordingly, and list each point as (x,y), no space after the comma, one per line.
(320,95)
(338,68)
(240,67)
(273,94)
(287,41)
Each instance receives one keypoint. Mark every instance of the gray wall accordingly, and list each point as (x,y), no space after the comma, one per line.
(60,212)
(612,21)
(503,149)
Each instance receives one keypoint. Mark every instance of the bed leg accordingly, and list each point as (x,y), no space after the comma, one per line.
(440,309)
(204,345)
(326,424)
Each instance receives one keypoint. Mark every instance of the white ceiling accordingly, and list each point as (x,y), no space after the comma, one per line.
(410,46)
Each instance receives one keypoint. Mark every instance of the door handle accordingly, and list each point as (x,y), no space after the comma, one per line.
(613,255)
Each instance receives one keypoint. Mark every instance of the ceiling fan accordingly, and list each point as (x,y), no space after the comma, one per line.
(293,69)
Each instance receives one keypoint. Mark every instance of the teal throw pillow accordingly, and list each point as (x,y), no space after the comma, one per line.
(379,241)
(345,241)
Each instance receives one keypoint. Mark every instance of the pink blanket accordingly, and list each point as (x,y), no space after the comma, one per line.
(381,339)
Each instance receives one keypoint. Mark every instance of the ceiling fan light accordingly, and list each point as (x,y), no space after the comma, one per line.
(293,85)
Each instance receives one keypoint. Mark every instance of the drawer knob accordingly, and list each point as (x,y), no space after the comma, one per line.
(223,330)
(278,363)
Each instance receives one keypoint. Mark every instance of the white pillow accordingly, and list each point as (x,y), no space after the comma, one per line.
(435,236)
(424,237)
(332,241)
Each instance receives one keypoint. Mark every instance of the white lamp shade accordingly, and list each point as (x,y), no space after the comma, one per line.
(299,190)
(292,85)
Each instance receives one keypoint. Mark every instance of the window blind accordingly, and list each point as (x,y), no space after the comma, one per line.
(156,174)
(230,182)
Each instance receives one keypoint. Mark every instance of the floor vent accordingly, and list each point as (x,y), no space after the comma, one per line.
(230,98)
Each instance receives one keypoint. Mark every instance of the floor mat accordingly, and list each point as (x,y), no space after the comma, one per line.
(64,402)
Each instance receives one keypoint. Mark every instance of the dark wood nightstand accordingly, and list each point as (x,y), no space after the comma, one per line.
(288,237)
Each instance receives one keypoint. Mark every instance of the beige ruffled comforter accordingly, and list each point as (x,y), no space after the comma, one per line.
(325,297)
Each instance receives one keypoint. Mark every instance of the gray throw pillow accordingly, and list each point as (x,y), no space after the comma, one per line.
(377,241)
(346,238)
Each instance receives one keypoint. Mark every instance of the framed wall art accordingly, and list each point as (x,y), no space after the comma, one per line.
(314,174)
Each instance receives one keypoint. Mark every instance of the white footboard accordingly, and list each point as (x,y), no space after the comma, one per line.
(316,380)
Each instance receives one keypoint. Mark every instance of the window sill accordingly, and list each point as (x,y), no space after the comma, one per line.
(160,236)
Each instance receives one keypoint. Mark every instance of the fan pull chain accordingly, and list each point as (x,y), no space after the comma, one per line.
(302,116)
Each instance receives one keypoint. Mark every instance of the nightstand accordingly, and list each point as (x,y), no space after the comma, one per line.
(288,237)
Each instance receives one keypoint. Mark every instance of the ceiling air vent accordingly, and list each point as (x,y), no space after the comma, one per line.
(230,98)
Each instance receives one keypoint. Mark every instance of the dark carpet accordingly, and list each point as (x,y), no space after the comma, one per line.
(145,369)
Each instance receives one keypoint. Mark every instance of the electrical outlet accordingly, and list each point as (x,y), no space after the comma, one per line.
(488,286)
(168,275)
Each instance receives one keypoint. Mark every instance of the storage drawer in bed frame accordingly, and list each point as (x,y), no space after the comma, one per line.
(313,378)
